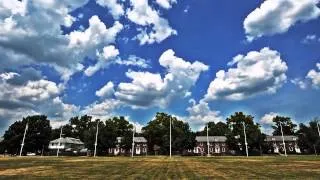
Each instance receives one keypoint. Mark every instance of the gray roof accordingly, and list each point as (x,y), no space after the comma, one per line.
(279,138)
(67,140)
(140,140)
(211,138)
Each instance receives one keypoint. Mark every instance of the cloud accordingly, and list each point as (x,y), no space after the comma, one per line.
(301,83)
(109,56)
(167,4)
(30,33)
(256,73)
(26,75)
(310,38)
(133,61)
(150,89)
(267,119)
(102,110)
(275,17)
(154,28)
(200,114)
(31,96)
(314,76)
(106,91)
(115,8)
(109,53)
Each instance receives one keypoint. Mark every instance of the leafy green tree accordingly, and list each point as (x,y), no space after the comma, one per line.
(288,126)
(157,133)
(37,136)
(236,139)
(219,129)
(309,140)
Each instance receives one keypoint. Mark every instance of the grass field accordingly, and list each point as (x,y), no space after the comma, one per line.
(293,167)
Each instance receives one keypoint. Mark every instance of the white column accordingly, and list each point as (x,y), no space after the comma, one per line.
(208,143)
(245,137)
(96,143)
(170,135)
(318,127)
(59,142)
(132,150)
(284,144)
(24,136)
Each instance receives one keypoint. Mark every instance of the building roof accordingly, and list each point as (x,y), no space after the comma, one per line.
(136,139)
(279,138)
(67,140)
(211,138)
(140,140)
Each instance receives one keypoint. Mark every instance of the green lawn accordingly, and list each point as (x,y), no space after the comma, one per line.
(293,167)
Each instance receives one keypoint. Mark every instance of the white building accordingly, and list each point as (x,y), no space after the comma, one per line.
(66,144)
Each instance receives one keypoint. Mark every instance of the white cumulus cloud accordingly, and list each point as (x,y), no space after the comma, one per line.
(277,16)
(167,4)
(153,27)
(151,89)
(106,91)
(256,73)
(115,8)
(314,76)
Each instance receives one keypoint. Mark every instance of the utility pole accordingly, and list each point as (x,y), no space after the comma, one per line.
(208,143)
(96,142)
(24,136)
(284,144)
(170,135)
(59,142)
(245,137)
(132,150)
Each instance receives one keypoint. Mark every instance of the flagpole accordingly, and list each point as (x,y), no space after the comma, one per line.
(59,142)
(132,150)
(24,136)
(170,135)
(208,139)
(245,137)
(284,144)
(96,143)
(318,127)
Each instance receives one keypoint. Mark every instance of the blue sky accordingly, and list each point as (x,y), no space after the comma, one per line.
(199,60)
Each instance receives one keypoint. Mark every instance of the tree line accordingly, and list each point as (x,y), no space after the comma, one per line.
(40,133)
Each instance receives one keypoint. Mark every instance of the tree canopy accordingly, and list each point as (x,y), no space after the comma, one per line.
(288,127)
(236,139)
(157,133)
(37,136)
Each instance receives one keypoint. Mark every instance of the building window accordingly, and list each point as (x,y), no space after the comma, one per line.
(110,150)
(144,150)
(223,149)
(290,148)
(201,144)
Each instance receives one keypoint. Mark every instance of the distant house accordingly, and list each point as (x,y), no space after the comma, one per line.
(140,147)
(67,144)
(276,144)
(217,145)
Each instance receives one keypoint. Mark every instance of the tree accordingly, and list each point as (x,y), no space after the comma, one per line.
(219,129)
(157,133)
(309,140)
(288,127)
(235,138)
(37,136)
